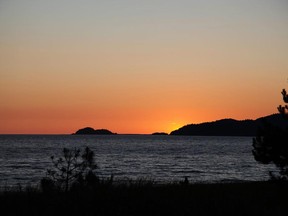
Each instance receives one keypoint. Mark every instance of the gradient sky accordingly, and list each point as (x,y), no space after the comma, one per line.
(136,66)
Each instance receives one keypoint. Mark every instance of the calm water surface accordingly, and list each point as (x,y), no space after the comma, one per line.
(24,159)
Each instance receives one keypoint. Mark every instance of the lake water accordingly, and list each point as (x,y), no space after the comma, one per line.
(24,159)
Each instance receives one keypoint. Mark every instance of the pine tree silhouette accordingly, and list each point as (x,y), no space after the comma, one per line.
(271,144)
(69,169)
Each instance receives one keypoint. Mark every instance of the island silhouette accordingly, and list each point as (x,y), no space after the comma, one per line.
(92,131)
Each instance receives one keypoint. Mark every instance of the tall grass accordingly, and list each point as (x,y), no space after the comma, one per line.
(143,197)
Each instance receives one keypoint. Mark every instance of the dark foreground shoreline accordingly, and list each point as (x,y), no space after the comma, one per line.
(146,198)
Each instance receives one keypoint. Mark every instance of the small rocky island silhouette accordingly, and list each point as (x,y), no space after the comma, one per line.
(160,133)
(92,131)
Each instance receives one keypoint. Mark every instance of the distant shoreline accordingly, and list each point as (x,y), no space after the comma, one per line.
(222,127)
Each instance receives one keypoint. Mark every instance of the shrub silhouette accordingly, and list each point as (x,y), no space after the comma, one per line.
(73,168)
(271,144)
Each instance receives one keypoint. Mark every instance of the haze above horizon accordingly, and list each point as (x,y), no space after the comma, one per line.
(137,67)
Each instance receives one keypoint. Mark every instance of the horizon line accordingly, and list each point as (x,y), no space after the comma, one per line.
(115,133)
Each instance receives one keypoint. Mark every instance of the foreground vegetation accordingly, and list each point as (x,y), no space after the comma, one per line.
(147,198)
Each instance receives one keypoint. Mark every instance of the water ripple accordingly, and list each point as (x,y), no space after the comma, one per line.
(25,159)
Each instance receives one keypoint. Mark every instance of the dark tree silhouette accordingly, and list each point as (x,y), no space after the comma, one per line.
(72,168)
(283,109)
(271,144)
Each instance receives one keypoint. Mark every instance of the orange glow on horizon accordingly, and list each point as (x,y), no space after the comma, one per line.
(139,122)
(138,67)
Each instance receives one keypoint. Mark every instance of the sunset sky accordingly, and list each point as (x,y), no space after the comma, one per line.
(135,66)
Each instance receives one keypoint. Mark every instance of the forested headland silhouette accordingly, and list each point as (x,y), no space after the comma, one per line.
(230,127)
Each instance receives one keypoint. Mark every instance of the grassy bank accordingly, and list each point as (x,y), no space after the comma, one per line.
(253,198)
